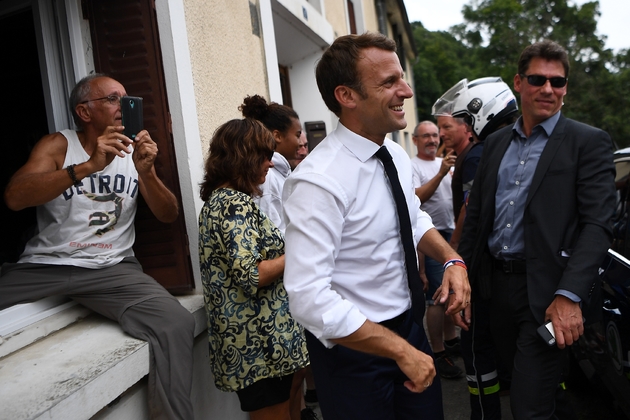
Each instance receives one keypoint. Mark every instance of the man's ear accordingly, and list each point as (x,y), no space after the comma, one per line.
(517,83)
(346,97)
(83,111)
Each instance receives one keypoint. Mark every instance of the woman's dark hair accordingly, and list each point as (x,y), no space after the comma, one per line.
(274,116)
(237,151)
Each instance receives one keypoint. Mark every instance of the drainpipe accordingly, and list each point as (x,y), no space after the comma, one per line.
(381,13)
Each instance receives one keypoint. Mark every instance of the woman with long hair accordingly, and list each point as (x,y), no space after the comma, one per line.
(255,344)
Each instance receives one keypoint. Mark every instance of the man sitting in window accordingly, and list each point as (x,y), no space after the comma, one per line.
(85,185)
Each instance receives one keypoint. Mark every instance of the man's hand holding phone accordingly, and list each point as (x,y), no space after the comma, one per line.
(566,321)
(144,153)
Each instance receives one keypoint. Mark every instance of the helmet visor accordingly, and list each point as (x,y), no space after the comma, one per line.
(443,107)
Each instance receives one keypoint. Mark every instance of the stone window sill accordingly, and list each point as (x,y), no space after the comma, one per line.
(73,364)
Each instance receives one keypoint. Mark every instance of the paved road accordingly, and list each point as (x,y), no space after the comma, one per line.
(588,403)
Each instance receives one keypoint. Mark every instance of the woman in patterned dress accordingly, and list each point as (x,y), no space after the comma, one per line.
(255,344)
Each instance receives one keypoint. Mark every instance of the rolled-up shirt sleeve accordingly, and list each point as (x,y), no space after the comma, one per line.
(423,222)
(314,214)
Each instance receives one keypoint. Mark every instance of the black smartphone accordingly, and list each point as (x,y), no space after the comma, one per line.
(132,118)
(547,333)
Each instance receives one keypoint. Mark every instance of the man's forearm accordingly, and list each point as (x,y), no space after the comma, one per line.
(379,341)
(433,245)
(36,189)
(427,190)
(375,339)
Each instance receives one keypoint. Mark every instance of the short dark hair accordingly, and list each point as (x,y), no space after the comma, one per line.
(237,150)
(273,115)
(80,93)
(548,50)
(338,65)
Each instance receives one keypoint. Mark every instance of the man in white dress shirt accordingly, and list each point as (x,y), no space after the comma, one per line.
(345,267)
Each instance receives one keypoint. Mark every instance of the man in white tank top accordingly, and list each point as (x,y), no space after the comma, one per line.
(85,185)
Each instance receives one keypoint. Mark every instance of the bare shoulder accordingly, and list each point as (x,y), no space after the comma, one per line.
(48,154)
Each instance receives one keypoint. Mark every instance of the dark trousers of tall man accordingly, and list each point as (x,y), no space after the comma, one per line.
(355,385)
(537,369)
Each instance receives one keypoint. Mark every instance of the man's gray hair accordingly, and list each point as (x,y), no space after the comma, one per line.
(80,93)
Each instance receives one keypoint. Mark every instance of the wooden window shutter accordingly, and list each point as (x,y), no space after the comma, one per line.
(126,47)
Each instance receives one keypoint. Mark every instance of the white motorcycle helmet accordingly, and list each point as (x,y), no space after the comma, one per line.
(483,103)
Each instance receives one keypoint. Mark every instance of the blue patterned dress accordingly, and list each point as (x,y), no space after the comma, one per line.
(251,332)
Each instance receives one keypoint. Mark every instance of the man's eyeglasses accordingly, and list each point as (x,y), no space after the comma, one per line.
(429,135)
(538,80)
(111,99)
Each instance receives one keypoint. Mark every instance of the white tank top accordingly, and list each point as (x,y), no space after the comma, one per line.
(91,225)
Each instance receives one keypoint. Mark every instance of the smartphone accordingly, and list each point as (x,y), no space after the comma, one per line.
(547,333)
(132,117)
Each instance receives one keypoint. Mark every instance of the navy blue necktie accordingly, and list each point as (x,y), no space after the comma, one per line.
(406,235)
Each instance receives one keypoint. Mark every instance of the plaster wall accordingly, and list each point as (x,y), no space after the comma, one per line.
(227,61)
(369,16)
(337,16)
(307,100)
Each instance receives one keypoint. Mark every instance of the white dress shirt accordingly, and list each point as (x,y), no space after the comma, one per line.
(344,257)
(271,200)
(440,204)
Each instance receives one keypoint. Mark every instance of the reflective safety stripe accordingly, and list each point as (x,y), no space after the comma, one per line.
(488,376)
(562,385)
(484,378)
(486,391)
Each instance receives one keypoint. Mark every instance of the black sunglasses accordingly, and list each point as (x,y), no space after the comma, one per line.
(270,156)
(538,80)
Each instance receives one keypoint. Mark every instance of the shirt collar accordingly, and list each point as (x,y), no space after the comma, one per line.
(359,146)
(281,164)
(548,125)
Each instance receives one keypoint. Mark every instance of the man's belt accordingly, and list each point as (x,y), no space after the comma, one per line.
(511,267)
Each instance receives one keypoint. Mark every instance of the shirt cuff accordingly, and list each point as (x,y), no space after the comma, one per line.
(569,295)
(340,324)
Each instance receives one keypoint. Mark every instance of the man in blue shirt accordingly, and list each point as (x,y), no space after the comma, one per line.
(538,225)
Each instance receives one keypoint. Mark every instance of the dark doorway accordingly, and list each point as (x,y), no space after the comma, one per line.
(24,121)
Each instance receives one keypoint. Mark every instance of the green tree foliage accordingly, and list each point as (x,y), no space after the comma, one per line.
(442,62)
(492,37)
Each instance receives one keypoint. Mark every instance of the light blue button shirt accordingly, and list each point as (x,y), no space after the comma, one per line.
(516,172)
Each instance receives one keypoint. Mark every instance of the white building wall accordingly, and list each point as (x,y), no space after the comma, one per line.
(307,101)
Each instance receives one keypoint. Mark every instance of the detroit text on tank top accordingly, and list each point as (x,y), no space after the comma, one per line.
(90,225)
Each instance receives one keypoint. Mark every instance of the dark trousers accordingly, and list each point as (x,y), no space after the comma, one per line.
(356,385)
(142,307)
(479,356)
(537,369)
